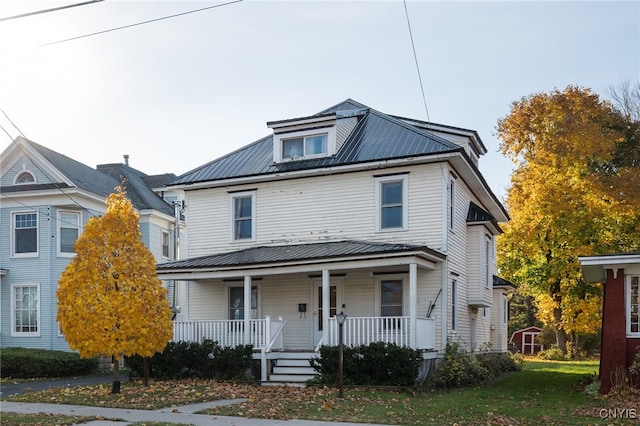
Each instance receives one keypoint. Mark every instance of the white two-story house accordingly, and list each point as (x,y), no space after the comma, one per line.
(351,210)
(45,200)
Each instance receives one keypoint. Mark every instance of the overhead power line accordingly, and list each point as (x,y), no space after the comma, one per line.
(53,9)
(415,57)
(141,23)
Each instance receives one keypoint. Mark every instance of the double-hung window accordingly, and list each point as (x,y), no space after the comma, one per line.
(633,305)
(25,234)
(452,202)
(304,146)
(243,216)
(391,202)
(68,231)
(25,310)
(165,244)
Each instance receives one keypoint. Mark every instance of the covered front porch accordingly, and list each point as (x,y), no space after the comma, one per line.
(390,293)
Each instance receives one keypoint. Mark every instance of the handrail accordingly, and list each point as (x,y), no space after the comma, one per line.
(317,348)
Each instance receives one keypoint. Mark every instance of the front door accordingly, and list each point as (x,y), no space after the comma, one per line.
(319,311)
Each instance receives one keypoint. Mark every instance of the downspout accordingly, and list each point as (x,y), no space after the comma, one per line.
(444,305)
(52,292)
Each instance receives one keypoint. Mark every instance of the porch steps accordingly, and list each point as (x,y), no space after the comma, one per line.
(292,368)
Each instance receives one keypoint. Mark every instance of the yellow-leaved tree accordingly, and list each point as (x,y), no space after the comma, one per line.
(569,196)
(110,300)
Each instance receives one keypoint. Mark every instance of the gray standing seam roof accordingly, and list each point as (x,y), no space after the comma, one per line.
(294,252)
(101,182)
(376,137)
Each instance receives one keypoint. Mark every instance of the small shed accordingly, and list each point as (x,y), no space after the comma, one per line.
(525,340)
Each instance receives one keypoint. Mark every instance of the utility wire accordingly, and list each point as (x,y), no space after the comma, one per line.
(13,124)
(415,57)
(53,9)
(141,23)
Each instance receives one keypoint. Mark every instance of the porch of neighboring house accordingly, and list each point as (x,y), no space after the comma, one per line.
(288,311)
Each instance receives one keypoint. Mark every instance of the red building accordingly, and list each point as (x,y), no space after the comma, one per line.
(620,274)
(525,340)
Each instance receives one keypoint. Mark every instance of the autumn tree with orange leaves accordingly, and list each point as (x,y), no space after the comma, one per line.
(572,194)
(110,300)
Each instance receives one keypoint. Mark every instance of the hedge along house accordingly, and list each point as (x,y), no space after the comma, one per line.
(620,274)
(384,218)
(46,199)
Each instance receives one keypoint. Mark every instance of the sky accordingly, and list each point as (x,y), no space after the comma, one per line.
(177,93)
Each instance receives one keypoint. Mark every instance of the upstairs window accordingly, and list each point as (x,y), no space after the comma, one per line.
(391,203)
(24,177)
(307,146)
(452,202)
(243,220)
(25,234)
(68,231)
(165,244)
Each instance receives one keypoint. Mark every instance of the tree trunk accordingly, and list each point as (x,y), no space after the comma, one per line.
(116,375)
(145,368)
(561,335)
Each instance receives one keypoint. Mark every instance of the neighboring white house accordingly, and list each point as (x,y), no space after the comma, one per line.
(46,198)
(384,218)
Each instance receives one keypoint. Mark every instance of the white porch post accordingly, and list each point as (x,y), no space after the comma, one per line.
(326,305)
(413,304)
(247,309)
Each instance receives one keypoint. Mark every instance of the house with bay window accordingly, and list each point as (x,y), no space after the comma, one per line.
(46,198)
(384,218)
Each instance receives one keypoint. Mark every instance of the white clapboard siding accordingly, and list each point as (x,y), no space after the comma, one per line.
(311,209)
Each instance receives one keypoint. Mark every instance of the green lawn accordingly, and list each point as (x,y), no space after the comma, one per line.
(545,392)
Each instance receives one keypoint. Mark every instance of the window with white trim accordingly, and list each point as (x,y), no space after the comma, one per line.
(454,304)
(633,305)
(25,234)
(236,302)
(391,298)
(243,216)
(488,251)
(304,146)
(25,313)
(391,202)
(165,244)
(24,177)
(505,310)
(68,232)
(452,202)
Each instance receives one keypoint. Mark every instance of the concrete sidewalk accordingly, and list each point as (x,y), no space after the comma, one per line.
(182,415)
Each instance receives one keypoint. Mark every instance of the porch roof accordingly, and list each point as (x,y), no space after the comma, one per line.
(315,254)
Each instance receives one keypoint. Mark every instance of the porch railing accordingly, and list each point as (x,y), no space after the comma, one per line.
(365,330)
(225,332)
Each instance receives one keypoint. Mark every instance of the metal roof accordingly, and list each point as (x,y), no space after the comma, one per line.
(376,137)
(294,252)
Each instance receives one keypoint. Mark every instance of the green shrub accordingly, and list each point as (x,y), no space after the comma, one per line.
(553,354)
(29,363)
(376,364)
(192,359)
(458,368)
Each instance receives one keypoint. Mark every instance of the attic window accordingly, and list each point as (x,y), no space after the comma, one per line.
(23,178)
(306,146)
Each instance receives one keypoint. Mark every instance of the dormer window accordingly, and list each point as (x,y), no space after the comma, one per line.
(306,146)
(304,138)
(24,177)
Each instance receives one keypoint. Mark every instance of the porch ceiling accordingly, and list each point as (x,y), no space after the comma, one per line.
(312,257)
